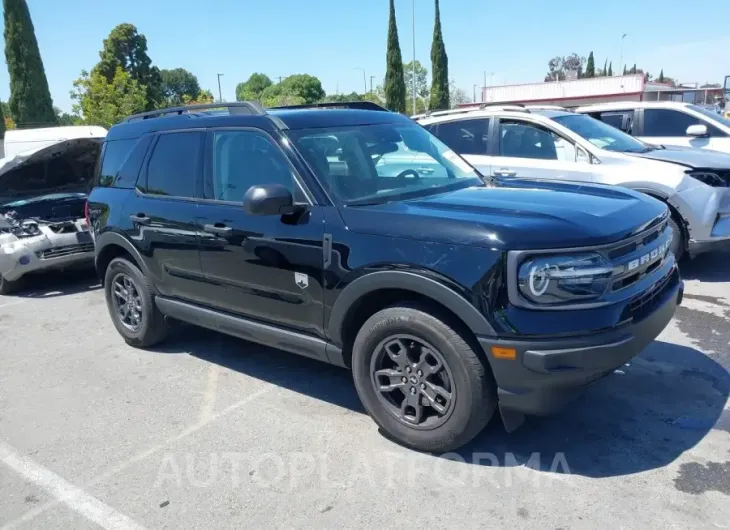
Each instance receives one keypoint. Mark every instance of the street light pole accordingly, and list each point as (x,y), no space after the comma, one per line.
(621,60)
(364,82)
(413,9)
(220,94)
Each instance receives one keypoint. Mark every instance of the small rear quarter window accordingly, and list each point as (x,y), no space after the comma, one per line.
(113,156)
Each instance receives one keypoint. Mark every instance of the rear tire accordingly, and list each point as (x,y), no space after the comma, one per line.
(441,409)
(130,300)
(678,243)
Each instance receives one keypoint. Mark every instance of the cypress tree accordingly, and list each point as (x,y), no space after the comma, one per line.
(395,85)
(30,99)
(440,67)
(605,68)
(590,66)
(661,76)
(610,68)
(2,123)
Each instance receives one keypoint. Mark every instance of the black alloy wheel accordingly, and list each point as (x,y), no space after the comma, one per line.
(127,302)
(413,381)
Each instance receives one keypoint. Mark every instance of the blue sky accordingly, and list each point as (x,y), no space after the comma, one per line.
(332,38)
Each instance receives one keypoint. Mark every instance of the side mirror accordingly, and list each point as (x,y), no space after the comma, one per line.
(697,130)
(269,199)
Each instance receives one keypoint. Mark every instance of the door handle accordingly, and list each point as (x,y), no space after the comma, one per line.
(504,172)
(426,170)
(140,219)
(218,229)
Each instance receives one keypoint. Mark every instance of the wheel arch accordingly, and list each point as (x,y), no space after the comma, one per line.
(110,245)
(374,291)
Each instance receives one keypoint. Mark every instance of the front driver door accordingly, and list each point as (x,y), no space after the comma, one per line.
(268,268)
(529,150)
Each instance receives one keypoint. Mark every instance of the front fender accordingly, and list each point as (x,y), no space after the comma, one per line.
(408,281)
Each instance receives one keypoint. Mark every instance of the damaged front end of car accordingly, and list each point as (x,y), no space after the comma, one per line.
(42,197)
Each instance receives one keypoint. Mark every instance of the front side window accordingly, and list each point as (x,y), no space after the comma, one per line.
(174,164)
(466,137)
(601,134)
(242,159)
(714,118)
(666,122)
(519,139)
(381,163)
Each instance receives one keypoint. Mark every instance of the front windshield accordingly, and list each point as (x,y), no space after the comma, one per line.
(713,116)
(381,163)
(601,134)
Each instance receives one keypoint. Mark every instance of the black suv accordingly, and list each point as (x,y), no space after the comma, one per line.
(353,236)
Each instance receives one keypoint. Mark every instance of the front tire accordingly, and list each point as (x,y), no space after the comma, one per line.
(8,287)
(678,243)
(421,381)
(130,300)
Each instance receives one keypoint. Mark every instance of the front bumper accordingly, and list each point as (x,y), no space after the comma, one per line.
(548,373)
(719,237)
(45,252)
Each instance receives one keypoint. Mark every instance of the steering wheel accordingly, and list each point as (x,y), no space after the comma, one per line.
(408,173)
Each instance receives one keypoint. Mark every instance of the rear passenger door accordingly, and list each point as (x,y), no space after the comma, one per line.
(160,217)
(268,268)
(468,138)
(526,149)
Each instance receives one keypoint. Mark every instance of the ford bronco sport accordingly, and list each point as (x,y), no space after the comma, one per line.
(353,236)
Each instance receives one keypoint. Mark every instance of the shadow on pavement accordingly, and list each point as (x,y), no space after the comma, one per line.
(661,406)
(56,283)
(709,267)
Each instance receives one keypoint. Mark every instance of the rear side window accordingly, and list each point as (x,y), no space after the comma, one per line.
(466,137)
(622,120)
(174,165)
(114,154)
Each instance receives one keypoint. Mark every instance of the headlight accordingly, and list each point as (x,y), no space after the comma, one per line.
(555,280)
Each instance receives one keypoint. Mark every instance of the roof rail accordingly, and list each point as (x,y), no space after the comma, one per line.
(361,105)
(546,107)
(238,107)
(517,107)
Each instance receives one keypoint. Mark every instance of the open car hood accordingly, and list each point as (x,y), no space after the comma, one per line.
(65,167)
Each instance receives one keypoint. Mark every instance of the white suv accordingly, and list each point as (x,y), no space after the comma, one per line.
(666,123)
(513,141)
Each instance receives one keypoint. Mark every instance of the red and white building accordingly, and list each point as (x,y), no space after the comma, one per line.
(578,92)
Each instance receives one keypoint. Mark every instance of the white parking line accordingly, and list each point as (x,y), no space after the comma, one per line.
(77,499)
(16,302)
(31,514)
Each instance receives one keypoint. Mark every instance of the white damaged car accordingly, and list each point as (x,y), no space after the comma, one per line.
(42,206)
(505,141)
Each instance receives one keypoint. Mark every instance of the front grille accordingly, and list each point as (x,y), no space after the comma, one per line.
(644,304)
(67,250)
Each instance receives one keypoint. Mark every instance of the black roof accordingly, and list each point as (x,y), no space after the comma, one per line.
(242,115)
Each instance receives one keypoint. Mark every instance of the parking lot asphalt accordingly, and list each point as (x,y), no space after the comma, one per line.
(209,431)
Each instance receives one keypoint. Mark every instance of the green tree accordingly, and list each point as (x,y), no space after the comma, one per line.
(177,83)
(457,96)
(395,86)
(252,89)
(342,98)
(100,102)
(125,48)
(2,123)
(610,68)
(626,72)
(64,118)
(422,88)
(440,67)
(604,72)
(304,87)
(590,66)
(30,99)
(660,79)
(202,97)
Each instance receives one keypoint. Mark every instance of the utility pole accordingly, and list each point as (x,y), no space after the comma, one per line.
(413,9)
(220,94)
(474,99)
(621,60)
(364,82)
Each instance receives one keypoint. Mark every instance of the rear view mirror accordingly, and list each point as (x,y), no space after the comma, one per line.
(697,130)
(270,199)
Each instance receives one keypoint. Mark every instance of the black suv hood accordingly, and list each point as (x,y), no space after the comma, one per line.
(690,157)
(518,215)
